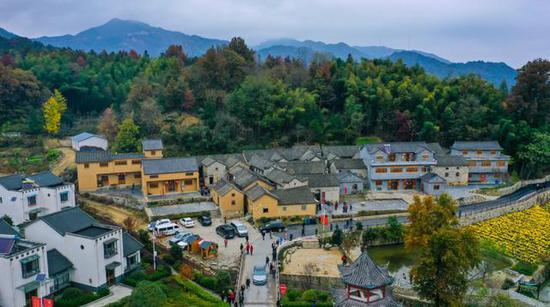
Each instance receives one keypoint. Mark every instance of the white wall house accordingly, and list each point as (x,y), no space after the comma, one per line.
(86,139)
(97,251)
(24,198)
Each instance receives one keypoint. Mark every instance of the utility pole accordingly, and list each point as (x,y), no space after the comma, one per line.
(154,253)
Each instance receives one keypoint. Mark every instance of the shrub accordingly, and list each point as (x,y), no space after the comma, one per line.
(147,294)
(507,284)
(53,155)
(525,268)
(359,226)
(103,292)
(292,294)
(337,237)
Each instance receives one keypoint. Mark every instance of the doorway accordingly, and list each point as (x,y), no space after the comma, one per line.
(171,186)
(110,274)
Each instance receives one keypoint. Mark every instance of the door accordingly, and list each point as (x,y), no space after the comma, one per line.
(29,295)
(104,180)
(483,178)
(171,186)
(110,274)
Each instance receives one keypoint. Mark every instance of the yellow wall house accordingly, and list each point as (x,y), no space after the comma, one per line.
(152,148)
(280,203)
(100,169)
(246,179)
(169,176)
(229,198)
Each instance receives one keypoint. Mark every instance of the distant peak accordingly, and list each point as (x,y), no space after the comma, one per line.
(124,21)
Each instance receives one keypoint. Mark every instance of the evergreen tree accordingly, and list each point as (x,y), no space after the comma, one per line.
(128,138)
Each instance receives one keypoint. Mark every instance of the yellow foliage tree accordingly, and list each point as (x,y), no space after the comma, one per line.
(53,109)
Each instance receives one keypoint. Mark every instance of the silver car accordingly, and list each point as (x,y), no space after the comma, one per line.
(179,237)
(259,275)
(240,228)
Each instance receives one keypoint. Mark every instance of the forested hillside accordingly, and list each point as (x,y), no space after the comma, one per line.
(224,101)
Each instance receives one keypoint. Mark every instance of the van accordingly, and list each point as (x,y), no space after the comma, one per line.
(240,228)
(167,229)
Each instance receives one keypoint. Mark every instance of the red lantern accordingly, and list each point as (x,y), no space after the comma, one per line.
(282,288)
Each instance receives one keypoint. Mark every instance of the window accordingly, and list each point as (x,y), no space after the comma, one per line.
(132,261)
(381,170)
(153,152)
(493,152)
(103,164)
(136,162)
(379,158)
(396,170)
(153,176)
(121,162)
(0,200)
(86,165)
(188,174)
(436,186)
(472,163)
(153,185)
(412,169)
(64,196)
(233,203)
(31,200)
(479,152)
(378,182)
(216,168)
(446,174)
(121,179)
(211,180)
(61,281)
(425,157)
(464,152)
(232,194)
(188,182)
(501,163)
(304,207)
(265,210)
(485,163)
(30,266)
(110,248)
(391,157)
(284,208)
(457,174)
(137,176)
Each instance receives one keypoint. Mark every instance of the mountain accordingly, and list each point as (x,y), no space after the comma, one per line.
(6,34)
(433,64)
(490,71)
(118,34)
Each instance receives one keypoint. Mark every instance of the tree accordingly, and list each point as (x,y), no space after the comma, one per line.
(147,293)
(394,230)
(127,139)
(188,101)
(53,109)
(176,51)
(536,156)
(176,253)
(7,219)
(108,124)
(239,46)
(447,252)
(130,223)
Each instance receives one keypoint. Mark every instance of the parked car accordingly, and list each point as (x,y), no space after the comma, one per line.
(187,222)
(259,275)
(274,226)
(225,231)
(187,240)
(240,228)
(205,220)
(154,224)
(167,229)
(179,236)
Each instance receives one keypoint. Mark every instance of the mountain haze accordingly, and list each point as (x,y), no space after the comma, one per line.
(6,34)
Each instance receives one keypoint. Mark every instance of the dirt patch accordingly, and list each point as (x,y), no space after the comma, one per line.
(66,161)
(325,261)
(117,214)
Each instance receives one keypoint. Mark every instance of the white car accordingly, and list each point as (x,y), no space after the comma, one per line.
(187,222)
(154,224)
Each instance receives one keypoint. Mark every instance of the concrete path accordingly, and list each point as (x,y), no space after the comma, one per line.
(118,292)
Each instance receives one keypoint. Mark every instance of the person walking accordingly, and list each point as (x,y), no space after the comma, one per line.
(225,219)
(246,238)
(266,260)
(241,300)
(291,236)
(247,248)
(231,296)
(330,226)
(270,235)
(242,247)
(242,289)
(248,283)
(263,235)
(225,242)
(251,249)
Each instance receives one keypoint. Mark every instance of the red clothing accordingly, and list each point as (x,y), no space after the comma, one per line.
(251,249)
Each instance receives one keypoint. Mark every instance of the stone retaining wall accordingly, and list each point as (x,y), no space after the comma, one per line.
(517,185)
(520,205)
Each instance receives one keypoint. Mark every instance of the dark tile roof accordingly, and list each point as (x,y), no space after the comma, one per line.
(170,165)
(222,187)
(448,160)
(432,178)
(7,229)
(152,144)
(278,176)
(476,145)
(104,156)
(57,263)
(304,167)
(364,273)
(43,179)
(397,147)
(294,196)
(260,163)
(130,244)
(257,192)
(245,177)
(341,151)
(93,231)
(349,164)
(84,136)
(322,180)
(436,148)
(69,220)
(347,176)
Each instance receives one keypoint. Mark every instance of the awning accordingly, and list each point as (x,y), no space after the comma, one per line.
(37,210)
(112,265)
(29,259)
(110,241)
(30,286)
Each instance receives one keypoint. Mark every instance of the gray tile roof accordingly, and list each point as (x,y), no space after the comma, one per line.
(257,192)
(260,163)
(476,145)
(43,179)
(130,244)
(398,147)
(290,154)
(222,187)
(169,165)
(304,167)
(84,136)
(349,164)
(432,178)
(278,176)
(103,156)
(7,229)
(436,148)
(69,220)
(92,231)
(294,196)
(347,176)
(57,263)
(226,159)
(448,160)
(321,180)
(152,144)
(341,151)
(364,273)
(245,177)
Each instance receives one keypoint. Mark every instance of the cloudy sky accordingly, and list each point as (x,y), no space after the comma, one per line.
(512,31)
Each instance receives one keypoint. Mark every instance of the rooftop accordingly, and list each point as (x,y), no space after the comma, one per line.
(398,147)
(304,167)
(476,145)
(170,165)
(294,196)
(104,156)
(7,229)
(93,231)
(322,180)
(152,144)
(57,263)
(84,136)
(364,273)
(44,179)
(130,244)
(349,164)
(223,187)
(74,220)
(448,160)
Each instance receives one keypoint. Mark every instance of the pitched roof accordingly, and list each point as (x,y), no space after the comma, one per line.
(260,163)
(347,176)
(44,179)
(432,178)
(436,148)
(322,180)
(245,177)
(57,263)
(364,273)
(397,147)
(257,192)
(476,145)
(84,136)
(207,161)
(304,167)
(279,177)
(73,220)
(155,144)
(349,164)
(104,156)
(294,196)
(130,244)
(341,151)
(7,229)
(448,160)
(222,187)
(170,165)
